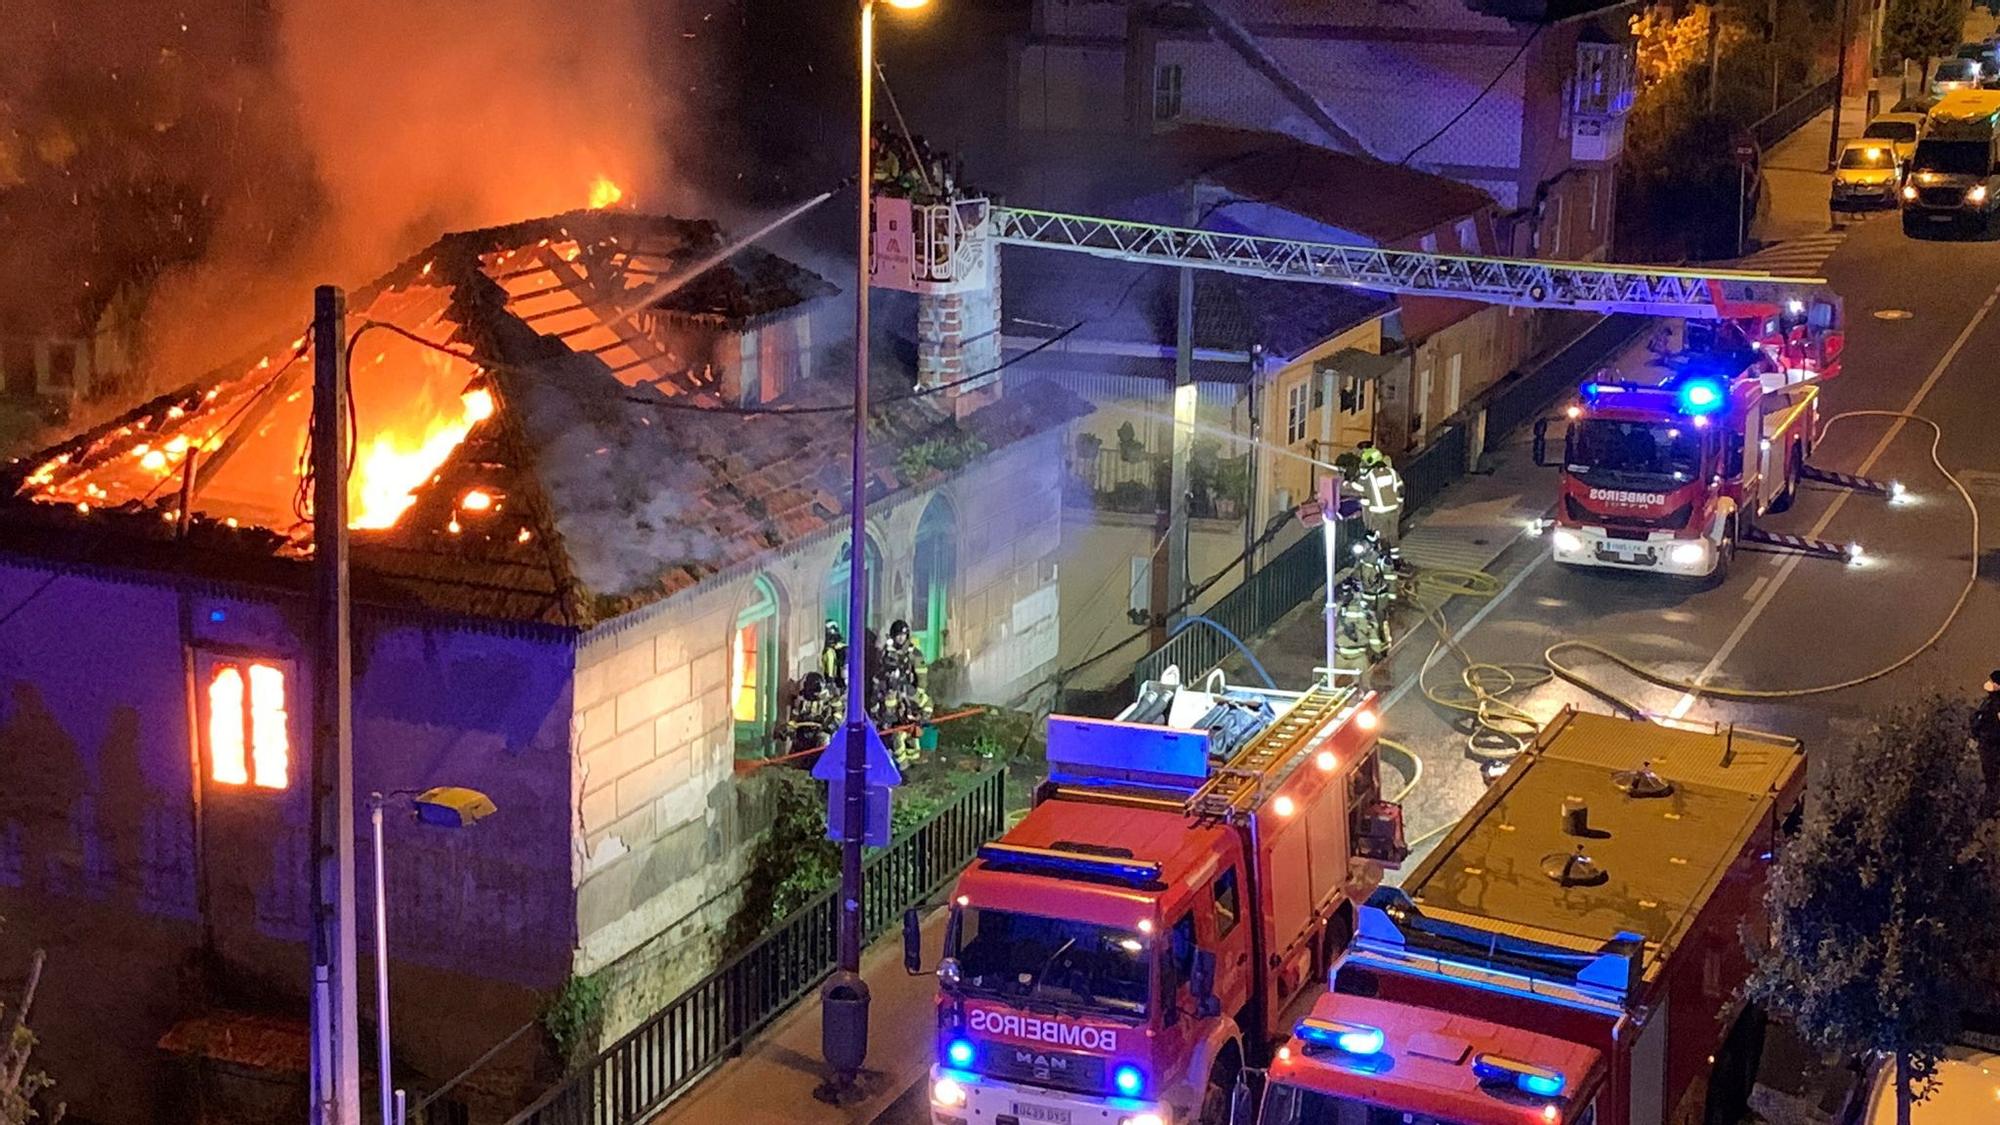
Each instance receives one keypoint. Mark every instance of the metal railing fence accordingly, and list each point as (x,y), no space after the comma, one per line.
(661,1058)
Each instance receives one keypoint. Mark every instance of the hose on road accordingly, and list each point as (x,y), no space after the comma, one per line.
(1697,688)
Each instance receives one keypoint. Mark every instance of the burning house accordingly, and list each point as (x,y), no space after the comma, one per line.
(597,506)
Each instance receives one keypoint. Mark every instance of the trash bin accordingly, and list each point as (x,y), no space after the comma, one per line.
(843,1036)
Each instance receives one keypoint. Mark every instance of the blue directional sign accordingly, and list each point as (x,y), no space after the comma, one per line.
(875,831)
(832,764)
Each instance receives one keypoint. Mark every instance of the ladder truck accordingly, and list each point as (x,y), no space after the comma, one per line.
(1571,952)
(1732,429)
(1187,871)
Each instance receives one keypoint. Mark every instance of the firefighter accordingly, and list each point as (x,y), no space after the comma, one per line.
(833,657)
(814,715)
(905,703)
(1355,644)
(1381,490)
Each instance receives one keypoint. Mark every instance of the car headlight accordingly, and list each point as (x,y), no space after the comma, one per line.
(1690,554)
(947,1092)
(1909,191)
(1567,541)
(1976,194)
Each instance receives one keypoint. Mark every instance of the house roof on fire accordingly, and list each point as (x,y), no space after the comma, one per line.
(540,435)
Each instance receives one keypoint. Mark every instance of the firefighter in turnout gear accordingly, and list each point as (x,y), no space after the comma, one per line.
(814,716)
(1381,491)
(904,702)
(1360,642)
(1375,574)
(833,657)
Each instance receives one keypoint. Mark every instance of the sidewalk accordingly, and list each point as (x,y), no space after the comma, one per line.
(1796,180)
(772,1081)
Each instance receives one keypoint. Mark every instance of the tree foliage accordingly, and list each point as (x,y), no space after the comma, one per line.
(1921,30)
(1884,909)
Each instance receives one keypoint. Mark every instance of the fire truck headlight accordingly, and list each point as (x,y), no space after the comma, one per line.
(1690,554)
(958,1053)
(948,1093)
(1141,1119)
(1129,1080)
(1568,542)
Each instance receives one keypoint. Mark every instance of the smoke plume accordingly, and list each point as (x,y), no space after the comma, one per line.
(222,157)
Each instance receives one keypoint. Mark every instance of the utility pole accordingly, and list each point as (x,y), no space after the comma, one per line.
(1714,33)
(1186,395)
(1839,82)
(1771,37)
(335,1062)
(1250,521)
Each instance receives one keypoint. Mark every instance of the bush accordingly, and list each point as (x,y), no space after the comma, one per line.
(574,1015)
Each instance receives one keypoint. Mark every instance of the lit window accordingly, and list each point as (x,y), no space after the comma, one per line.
(249,740)
(745,677)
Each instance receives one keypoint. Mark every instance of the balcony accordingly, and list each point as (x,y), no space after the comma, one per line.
(1600,95)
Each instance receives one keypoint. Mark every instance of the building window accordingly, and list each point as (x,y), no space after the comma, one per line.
(1552,225)
(1454,372)
(1428,244)
(249,739)
(833,603)
(1167,92)
(936,565)
(1468,236)
(1296,410)
(753,673)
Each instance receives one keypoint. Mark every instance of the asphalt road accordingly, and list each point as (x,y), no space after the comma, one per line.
(1783,621)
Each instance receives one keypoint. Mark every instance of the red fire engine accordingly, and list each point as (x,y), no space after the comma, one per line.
(1116,957)
(1671,476)
(1569,953)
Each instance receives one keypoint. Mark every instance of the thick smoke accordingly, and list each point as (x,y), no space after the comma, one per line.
(301,141)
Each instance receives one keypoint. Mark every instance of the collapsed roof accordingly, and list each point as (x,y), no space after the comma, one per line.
(527,445)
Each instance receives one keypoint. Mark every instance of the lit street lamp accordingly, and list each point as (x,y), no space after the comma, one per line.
(844,999)
(447,806)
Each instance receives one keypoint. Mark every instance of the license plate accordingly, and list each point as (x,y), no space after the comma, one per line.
(1053,1115)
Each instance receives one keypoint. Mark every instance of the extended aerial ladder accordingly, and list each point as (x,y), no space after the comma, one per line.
(951,240)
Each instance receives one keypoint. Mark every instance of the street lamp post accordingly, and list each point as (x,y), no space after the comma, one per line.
(844,999)
(447,806)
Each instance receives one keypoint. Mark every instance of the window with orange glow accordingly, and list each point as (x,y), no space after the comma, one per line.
(745,678)
(249,736)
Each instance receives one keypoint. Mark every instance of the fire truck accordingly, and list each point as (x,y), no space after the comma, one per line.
(1186,871)
(1671,476)
(1570,952)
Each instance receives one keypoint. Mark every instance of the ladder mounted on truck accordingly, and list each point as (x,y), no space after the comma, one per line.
(1693,294)
(1235,788)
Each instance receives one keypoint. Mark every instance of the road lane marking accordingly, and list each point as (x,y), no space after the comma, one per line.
(1750,595)
(1763,602)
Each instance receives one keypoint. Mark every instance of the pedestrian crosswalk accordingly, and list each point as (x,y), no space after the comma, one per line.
(1796,257)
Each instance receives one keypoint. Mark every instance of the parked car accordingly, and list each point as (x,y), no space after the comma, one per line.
(1900,130)
(1965,1091)
(1866,175)
(1955,74)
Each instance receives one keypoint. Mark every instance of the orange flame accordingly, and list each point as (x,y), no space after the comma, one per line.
(394,464)
(604,192)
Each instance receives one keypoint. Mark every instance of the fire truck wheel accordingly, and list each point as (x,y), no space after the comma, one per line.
(1783,501)
(1221,1082)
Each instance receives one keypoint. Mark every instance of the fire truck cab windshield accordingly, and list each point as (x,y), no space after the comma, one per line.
(1620,451)
(1027,959)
